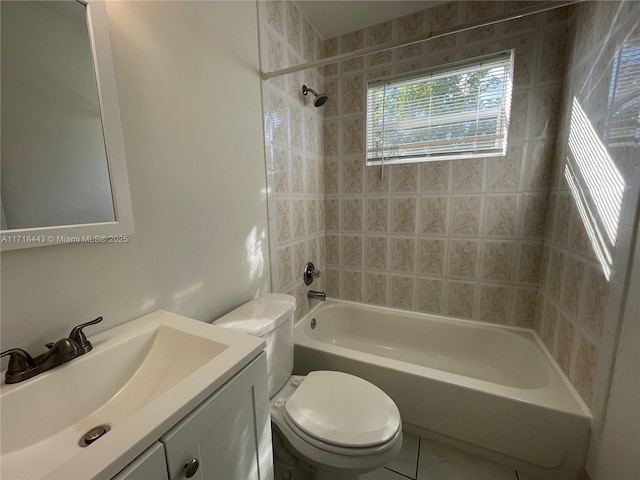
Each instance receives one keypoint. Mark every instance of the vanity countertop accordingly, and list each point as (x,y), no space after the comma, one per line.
(140,379)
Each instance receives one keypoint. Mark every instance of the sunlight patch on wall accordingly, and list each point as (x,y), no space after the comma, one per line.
(184,296)
(255,259)
(597,186)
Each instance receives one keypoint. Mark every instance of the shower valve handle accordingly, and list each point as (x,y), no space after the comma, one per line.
(310,273)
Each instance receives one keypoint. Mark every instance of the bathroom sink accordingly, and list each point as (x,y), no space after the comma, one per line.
(139,380)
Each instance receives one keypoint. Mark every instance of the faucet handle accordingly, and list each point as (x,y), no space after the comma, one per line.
(78,336)
(310,273)
(19,360)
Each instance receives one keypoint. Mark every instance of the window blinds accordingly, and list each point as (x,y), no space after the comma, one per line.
(460,111)
(623,123)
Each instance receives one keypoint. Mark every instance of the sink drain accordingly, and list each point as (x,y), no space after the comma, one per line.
(93,435)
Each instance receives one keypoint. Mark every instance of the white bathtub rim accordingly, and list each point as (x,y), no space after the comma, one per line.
(576,395)
(559,401)
(523,466)
(526,332)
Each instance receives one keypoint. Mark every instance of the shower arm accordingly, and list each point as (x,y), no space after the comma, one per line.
(423,37)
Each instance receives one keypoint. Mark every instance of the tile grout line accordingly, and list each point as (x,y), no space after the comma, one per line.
(418,456)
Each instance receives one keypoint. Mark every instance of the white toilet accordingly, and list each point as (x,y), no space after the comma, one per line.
(326,425)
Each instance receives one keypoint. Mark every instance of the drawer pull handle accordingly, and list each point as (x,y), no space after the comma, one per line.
(191,467)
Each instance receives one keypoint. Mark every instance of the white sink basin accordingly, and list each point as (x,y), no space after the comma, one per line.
(140,379)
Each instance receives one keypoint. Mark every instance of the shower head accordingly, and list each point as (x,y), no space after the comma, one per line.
(321,98)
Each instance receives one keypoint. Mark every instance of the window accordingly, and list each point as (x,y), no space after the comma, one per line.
(457,111)
(622,128)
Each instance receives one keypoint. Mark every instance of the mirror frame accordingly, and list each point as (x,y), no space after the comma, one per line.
(103,232)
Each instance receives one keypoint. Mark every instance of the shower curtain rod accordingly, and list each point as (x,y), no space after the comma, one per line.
(423,37)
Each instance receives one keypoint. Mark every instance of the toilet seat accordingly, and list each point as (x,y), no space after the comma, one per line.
(342,412)
(324,454)
(341,450)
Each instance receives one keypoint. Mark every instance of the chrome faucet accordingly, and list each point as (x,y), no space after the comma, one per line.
(22,367)
(317,295)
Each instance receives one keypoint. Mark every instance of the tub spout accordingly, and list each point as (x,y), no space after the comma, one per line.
(317,295)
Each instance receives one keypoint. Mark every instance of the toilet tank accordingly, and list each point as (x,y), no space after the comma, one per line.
(270,317)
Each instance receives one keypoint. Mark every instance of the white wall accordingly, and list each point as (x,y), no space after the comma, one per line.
(189,94)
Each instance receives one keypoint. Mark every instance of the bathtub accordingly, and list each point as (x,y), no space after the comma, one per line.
(492,390)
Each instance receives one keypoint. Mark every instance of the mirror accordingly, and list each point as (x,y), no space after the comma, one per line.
(63,171)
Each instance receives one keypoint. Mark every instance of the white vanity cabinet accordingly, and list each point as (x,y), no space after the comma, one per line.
(228,435)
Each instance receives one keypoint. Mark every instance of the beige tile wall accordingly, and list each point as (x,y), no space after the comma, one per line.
(579,306)
(294,149)
(459,238)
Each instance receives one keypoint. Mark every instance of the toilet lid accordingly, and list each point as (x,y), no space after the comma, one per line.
(341,409)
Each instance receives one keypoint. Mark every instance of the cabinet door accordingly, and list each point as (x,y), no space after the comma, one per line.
(229,434)
(150,465)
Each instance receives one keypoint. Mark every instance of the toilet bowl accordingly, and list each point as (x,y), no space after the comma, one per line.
(326,425)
